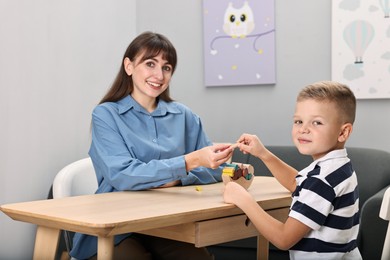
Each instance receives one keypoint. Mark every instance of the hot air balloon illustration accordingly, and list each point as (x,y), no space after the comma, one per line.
(385,4)
(358,35)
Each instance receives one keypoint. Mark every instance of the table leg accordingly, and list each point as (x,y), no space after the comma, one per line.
(262,248)
(105,248)
(46,243)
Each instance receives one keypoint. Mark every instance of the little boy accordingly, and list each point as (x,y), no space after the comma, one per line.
(323,221)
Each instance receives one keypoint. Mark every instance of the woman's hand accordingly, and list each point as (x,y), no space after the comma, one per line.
(209,156)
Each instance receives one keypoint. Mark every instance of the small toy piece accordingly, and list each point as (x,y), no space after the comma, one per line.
(198,188)
(238,172)
(235,171)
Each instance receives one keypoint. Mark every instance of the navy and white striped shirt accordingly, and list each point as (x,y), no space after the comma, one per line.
(327,200)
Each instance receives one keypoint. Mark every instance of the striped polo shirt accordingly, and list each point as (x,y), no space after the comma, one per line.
(327,200)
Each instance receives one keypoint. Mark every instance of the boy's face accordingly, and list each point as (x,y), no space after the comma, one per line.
(317,128)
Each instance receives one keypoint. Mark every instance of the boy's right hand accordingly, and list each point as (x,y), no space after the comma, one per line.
(248,143)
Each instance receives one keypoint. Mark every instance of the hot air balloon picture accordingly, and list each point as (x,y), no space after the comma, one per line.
(385,5)
(358,35)
(361,47)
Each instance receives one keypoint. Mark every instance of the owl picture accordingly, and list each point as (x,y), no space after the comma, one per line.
(238,22)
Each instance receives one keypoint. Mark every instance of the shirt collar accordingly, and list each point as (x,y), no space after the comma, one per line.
(341,153)
(128,102)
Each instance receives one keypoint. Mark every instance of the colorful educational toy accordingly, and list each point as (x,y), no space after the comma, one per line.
(237,172)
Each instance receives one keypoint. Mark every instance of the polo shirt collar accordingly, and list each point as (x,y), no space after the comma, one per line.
(341,153)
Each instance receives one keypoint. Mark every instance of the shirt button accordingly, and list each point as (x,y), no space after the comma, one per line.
(154,140)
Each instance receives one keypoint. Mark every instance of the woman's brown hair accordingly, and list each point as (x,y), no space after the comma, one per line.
(150,44)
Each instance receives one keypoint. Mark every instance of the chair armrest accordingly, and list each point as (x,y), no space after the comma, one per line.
(372,231)
(385,207)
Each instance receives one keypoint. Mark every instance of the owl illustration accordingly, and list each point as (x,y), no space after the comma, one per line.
(238,22)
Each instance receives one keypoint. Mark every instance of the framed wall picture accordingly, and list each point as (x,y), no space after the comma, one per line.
(361,46)
(239,42)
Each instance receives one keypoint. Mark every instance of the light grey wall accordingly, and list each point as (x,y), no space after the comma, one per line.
(303,52)
(57,58)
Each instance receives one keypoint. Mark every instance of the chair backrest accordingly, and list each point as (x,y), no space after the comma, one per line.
(77,178)
(385,214)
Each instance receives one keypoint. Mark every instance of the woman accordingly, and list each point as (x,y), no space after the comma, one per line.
(142,139)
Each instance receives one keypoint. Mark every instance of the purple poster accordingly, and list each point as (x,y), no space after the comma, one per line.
(239,42)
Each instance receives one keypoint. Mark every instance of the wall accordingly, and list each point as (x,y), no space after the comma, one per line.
(58,57)
(303,41)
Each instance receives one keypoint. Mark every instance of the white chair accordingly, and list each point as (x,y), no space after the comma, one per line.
(385,214)
(77,178)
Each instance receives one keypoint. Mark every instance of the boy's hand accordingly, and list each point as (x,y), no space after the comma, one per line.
(234,194)
(251,144)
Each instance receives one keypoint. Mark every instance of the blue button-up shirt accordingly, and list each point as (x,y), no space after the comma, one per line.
(133,149)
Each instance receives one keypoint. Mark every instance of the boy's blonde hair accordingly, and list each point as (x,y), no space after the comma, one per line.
(331,91)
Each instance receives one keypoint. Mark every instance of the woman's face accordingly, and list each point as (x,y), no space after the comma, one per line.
(150,77)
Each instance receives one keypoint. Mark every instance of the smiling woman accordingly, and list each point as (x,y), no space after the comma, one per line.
(142,139)
(143,49)
(150,78)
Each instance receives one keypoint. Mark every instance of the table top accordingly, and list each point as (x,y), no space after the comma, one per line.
(131,211)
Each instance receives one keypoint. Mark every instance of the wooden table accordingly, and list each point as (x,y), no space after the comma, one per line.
(194,214)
